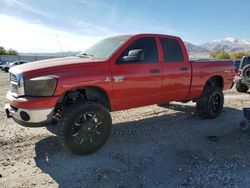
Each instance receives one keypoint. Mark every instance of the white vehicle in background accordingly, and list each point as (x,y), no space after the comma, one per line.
(8,65)
(2,64)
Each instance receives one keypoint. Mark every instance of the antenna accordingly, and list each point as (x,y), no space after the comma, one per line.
(59,44)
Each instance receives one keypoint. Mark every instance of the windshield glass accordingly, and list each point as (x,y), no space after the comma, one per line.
(105,48)
(245,61)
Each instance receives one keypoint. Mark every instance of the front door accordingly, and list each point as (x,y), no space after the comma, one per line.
(137,83)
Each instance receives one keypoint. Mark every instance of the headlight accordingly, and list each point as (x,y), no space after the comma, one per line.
(40,87)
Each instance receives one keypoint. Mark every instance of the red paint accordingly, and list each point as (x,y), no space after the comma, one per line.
(32,102)
(139,87)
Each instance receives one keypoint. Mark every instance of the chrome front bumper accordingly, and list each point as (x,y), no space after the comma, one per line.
(29,117)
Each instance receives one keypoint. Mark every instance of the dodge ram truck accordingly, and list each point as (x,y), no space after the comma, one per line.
(78,93)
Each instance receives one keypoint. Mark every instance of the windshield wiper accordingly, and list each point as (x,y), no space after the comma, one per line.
(90,56)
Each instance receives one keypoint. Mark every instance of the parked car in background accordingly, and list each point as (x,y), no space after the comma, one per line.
(2,64)
(12,64)
(237,64)
(242,79)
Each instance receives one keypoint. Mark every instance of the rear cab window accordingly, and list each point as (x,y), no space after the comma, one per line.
(171,50)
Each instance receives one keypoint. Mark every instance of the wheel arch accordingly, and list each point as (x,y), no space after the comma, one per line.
(215,80)
(92,93)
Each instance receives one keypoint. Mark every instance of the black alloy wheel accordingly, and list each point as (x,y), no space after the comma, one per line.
(215,102)
(85,126)
(88,128)
(210,103)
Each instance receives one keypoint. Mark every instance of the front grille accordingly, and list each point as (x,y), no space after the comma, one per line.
(16,84)
(14,88)
(13,78)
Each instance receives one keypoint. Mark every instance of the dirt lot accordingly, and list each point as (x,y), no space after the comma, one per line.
(148,147)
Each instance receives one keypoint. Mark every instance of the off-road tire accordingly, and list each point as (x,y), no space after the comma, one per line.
(246,73)
(241,88)
(81,132)
(210,104)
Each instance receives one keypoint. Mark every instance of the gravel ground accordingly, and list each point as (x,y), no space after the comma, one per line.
(148,147)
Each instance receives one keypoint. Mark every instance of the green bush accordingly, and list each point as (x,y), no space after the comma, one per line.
(237,55)
(221,54)
(7,52)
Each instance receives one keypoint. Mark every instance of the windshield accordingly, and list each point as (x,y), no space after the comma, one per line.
(105,48)
(245,61)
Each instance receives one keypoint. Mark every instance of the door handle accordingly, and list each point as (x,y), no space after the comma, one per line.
(184,69)
(155,71)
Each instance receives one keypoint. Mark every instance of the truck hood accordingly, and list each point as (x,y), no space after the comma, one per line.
(56,63)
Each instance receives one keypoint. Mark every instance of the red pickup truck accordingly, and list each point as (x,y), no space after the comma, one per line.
(117,73)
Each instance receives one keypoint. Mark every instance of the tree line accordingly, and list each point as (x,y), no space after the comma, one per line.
(4,51)
(222,54)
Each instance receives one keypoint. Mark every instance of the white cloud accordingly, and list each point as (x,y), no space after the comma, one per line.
(25,7)
(34,37)
(91,29)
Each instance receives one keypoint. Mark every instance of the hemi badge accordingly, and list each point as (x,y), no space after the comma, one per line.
(118,78)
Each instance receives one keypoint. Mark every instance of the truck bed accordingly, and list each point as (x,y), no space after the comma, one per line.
(203,69)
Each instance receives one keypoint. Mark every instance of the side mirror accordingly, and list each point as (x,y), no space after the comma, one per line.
(134,55)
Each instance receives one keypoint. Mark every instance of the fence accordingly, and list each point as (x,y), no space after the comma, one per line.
(10,58)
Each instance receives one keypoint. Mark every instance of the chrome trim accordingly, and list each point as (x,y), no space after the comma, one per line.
(36,116)
(16,79)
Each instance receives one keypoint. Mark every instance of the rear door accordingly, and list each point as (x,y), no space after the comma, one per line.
(176,77)
(137,83)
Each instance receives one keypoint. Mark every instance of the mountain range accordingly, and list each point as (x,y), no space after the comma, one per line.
(228,44)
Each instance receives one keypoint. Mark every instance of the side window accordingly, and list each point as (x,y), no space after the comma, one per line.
(148,45)
(171,50)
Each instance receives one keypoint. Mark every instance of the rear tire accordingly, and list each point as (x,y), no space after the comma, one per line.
(241,88)
(210,104)
(85,127)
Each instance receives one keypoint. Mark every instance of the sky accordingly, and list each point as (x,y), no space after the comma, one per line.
(73,25)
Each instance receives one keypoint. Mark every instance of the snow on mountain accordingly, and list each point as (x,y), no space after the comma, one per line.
(228,44)
(246,41)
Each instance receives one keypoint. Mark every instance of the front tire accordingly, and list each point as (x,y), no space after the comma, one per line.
(85,127)
(241,88)
(210,104)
